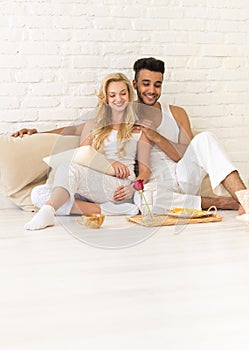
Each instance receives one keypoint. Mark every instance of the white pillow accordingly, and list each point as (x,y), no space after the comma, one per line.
(55,160)
(84,155)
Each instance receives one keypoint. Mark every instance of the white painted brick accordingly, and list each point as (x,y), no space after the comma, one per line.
(9,102)
(39,102)
(197,113)
(47,89)
(57,114)
(78,76)
(97,10)
(33,76)
(30,21)
(202,12)
(81,89)
(5,76)
(165,12)
(118,12)
(235,62)
(8,48)
(228,74)
(236,38)
(237,15)
(237,86)
(49,35)
(13,8)
(12,61)
(187,24)
(44,61)
(143,24)
(81,47)
(3,21)
(80,102)
(136,37)
(94,35)
(219,50)
(174,63)
(182,49)
(17,115)
(204,37)
(223,26)
(226,3)
(195,3)
(89,61)
(54,54)
(13,89)
(37,48)
(198,99)
(118,23)
(68,22)
(10,35)
(188,75)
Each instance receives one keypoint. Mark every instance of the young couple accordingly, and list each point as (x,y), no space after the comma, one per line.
(177,160)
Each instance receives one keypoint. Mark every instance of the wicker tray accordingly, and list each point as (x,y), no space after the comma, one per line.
(165,220)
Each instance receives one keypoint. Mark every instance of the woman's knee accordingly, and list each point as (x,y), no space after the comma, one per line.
(40,195)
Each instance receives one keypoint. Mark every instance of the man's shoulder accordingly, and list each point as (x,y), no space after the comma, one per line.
(178,113)
(176,109)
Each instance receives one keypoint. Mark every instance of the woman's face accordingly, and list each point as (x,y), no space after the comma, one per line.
(117,95)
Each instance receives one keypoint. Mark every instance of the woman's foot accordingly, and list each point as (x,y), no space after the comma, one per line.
(42,219)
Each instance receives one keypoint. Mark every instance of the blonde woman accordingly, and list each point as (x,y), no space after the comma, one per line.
(112,133)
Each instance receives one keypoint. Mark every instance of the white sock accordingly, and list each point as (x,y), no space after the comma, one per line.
(42,219)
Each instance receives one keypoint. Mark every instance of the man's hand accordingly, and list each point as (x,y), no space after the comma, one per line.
(24,131)
(148,128)
(123,192)
(151,134)
(144,123)
(121,170)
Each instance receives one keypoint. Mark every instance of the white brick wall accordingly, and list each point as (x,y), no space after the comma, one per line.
(54,53)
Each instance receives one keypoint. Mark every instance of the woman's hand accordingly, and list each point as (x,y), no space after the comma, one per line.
(123,192)
(24,131)
(121,170)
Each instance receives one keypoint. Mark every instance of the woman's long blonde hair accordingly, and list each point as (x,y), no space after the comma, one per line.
(103,122)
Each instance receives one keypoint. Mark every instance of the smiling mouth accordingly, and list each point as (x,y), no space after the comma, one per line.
(151,97)
(119,104)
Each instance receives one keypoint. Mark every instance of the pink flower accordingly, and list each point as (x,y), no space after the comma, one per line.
(138,185)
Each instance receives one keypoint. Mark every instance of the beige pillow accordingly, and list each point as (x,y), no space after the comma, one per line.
(21,164)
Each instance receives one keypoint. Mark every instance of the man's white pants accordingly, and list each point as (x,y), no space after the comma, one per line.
(203,156)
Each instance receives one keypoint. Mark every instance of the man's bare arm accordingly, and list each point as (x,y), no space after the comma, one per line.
(74,130)
(174,150)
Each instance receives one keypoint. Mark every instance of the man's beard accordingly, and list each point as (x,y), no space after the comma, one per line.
(141,99)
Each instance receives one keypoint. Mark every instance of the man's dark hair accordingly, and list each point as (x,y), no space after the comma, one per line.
(149,63)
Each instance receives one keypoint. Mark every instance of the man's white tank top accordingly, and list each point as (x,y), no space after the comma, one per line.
(168,127)
(163,167)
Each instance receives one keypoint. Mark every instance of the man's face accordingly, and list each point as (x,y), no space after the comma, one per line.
(148,86)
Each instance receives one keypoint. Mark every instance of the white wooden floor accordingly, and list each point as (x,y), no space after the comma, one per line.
(175,290)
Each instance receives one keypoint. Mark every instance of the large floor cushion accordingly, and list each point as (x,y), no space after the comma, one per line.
(21,164)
